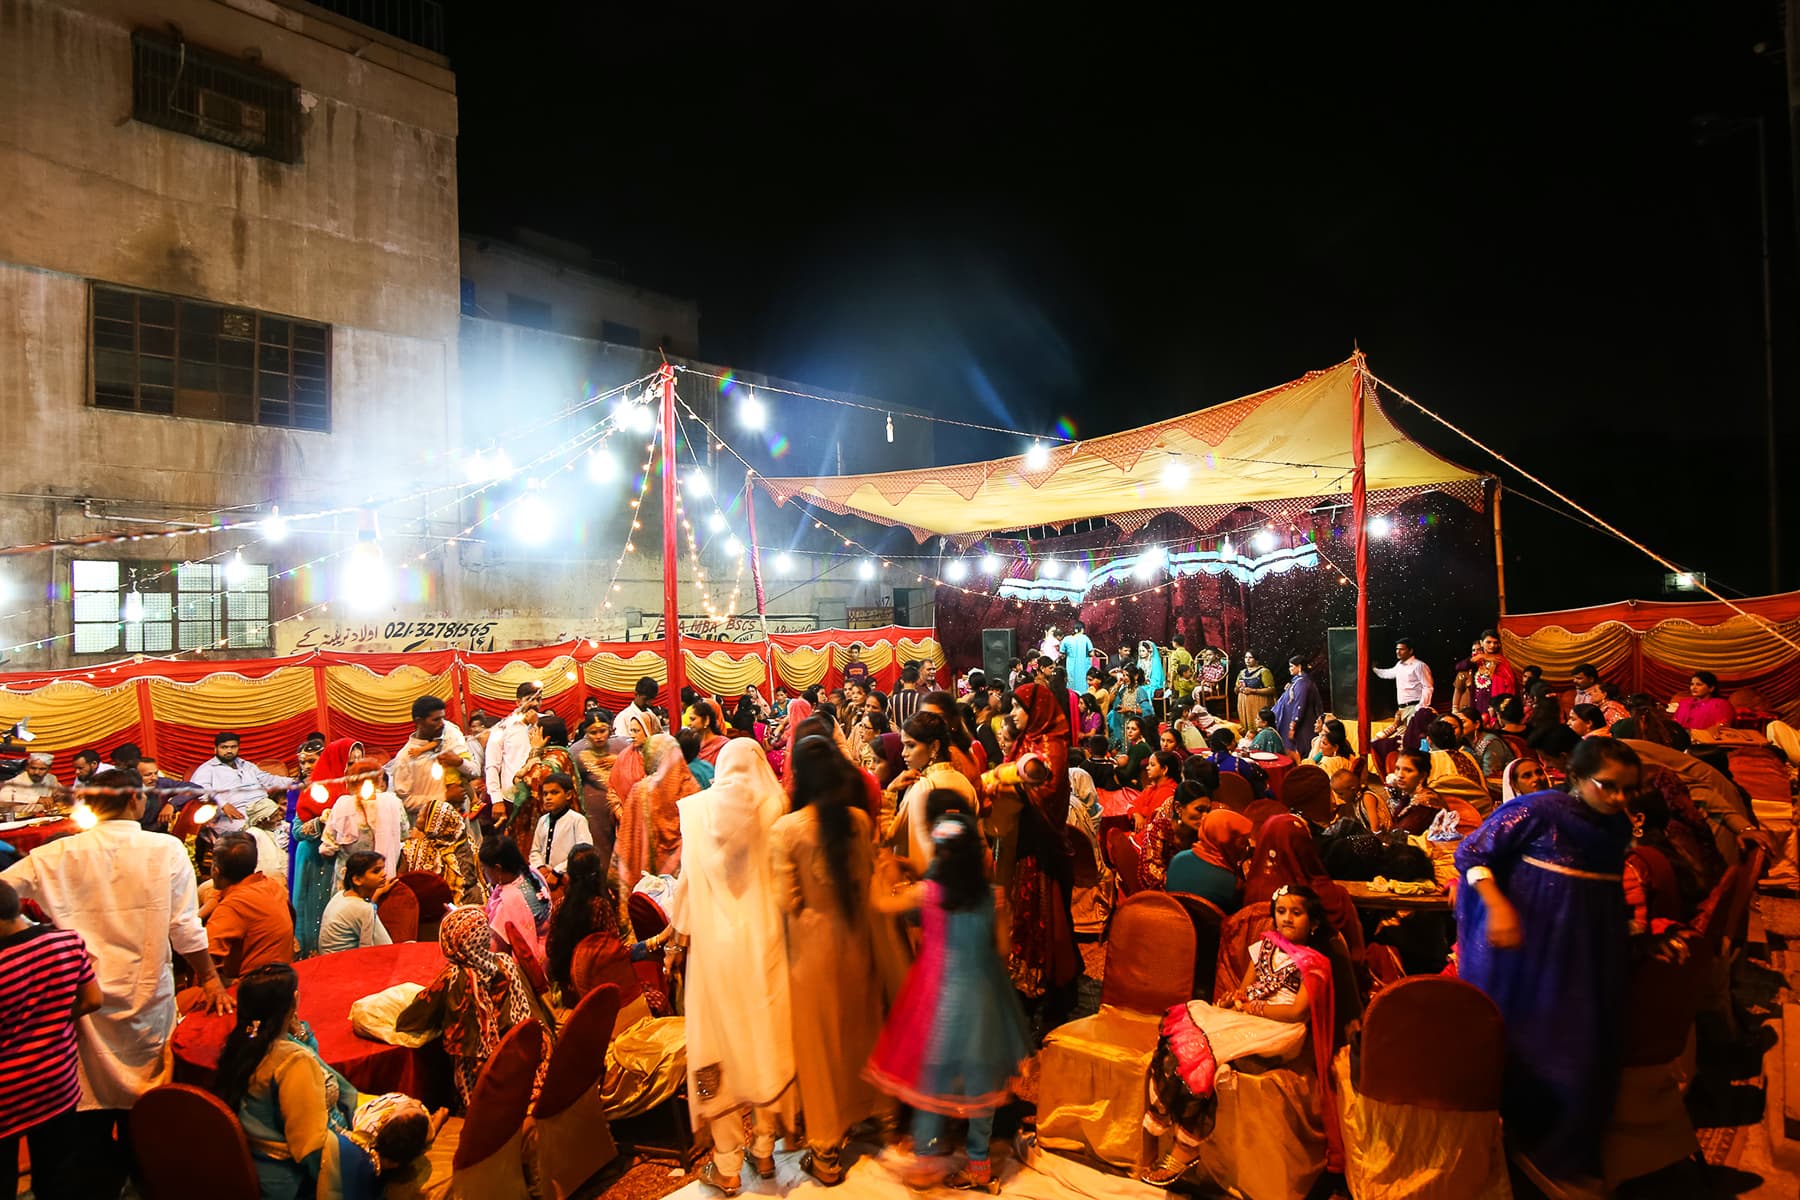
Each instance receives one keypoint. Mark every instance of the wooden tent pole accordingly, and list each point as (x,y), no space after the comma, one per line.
(1499,551)
(1359,509)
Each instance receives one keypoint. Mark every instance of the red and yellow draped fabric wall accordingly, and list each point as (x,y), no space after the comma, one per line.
(1655,647)
(172,710)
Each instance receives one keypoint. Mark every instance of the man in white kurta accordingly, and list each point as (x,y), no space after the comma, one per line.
(130,895)
(740,1043)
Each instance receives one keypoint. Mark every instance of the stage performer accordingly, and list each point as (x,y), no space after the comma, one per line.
(1492,675)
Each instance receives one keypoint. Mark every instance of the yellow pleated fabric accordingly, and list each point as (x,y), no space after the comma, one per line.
(875,655)
(1091,1078)
(382,699)
(503,684)
(612,673)
(801,667)
(720,674)
(1404,1152)
(1739,647)
(70,715)
(1559,652)
(923,650)
(227,701)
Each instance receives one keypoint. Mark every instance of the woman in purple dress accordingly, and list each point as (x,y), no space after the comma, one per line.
(1541,928)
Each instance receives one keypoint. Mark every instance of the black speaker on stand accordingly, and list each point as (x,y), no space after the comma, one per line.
(996,652)
(1341,655)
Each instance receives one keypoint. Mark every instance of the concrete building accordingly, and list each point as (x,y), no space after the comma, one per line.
(230,283)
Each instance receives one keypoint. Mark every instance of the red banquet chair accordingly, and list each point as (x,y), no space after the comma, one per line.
(482,1153)
(399,914)
(168,1124)
(1208,919)
(648,920)
(573,1141)
(432,892)
(601,958)
(1127,860)
(1234,792)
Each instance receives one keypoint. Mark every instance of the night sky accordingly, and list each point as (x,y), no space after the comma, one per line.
(1115,214)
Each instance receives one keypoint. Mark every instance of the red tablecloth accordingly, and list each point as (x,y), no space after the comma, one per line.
(1276,767)
(329,984)
(32,836)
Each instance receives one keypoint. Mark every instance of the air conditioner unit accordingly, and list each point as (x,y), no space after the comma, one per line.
(229,120)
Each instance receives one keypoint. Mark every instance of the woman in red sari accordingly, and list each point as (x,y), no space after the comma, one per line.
(1036,869)
(711,723)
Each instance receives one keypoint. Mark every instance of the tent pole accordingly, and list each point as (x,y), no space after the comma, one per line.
(1499,552)
(756,579)
(1359,505)
(671,602)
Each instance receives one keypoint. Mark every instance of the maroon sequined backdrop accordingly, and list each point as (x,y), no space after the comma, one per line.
(1431,579)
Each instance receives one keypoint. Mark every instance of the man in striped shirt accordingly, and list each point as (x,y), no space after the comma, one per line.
(904,703)
(46,985)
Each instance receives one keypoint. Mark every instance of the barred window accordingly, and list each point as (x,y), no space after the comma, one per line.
(214,97)
(156,608)
(189,358)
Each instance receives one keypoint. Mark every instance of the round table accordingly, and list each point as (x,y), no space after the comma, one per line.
(1365,896)
(1275,766)
(329,984)
(27,838)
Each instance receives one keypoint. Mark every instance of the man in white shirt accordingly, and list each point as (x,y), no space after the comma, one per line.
(130,895)
(233,782)
(1586,679)
(1412,680)
(350,920)
(31,790)
(509,743)
(435,743)
(642,700)
(559,830)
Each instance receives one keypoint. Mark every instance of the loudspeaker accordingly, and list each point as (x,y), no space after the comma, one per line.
(996,652)
(1341,654)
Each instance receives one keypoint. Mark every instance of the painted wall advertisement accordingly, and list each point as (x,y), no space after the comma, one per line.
(483,634)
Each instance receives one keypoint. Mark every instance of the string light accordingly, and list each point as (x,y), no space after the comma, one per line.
(1037,456)
(752,413)
(365,584)
(890,428)
(1175,475)
(957,571)
(274,526)
(1380,527)
(1263,541)
(990,564)
(697,483)
(866,570)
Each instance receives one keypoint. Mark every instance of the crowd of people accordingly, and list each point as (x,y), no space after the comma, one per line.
(874,902)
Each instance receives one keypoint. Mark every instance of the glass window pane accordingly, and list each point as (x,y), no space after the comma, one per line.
(248,635)
(115,366)
(96,606)
(92,574)
(197,635)
(96,639)
(152,340)
(158,606)
(156,310)
(114,304)
(157,400)
(196,577)
(197,606)
(274,331)
(113,335)
(151,637)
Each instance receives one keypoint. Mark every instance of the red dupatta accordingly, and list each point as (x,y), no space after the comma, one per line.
(1046,734)
(330,771)
(1315,969)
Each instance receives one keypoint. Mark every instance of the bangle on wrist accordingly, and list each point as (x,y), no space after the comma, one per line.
(1475,875)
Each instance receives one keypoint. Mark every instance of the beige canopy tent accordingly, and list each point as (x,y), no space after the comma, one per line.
(1284,451)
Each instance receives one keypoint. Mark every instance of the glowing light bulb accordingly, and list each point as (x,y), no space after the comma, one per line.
(1263,541)
(365,584)
(500,466)
(733,547)
(204,814)
(1226,550)
(367,790)
(602,467)
(1175,475)
(475,468)
(1380,527)
(83,816)
(134,608)
(890,428)
(274,526)
(1079,577)
(956,571)
(716,522)
(866,570)
(1049,569)
(784,561)
(1037,456)
(1149,562)
(531,521)
(437,770)
(237,571)
(643,419)
(751,412)
(697,483)
(989,564)
(318,793)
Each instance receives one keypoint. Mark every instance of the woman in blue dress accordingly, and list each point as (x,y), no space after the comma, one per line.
(1299,708)
(1541,928)
(312,881)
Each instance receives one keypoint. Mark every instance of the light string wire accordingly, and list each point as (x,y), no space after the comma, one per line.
(1764,623)
(637,507)
(594,435)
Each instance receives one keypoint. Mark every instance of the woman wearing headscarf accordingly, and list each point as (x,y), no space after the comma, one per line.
(549,756)
(439,843)
(824,862)
(477,998)
(650,821)
(781,755)
(368,817)
(1285,853)
(740,1033)
(315,874)
(711,724)
(1522,777)
(1176,820)
(1209,868)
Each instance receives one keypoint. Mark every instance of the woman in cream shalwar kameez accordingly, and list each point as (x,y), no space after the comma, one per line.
(740,1038)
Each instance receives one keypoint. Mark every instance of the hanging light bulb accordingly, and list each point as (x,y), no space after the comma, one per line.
(956,571)
(475,468)
(134,607)
(83,816)
(784,561)
(237,571)
(867,569)
(733,547)
(1263,541)
(531,520)
(697,482)
(601,468)
(1175,475)
(499,466)
(1149,562)
(716,522)
(437,769)
(365,584)
(274,526)
(367,790)
(1380,527)
(643,418)
(1037,456)
(318,793)
(1079,577)
(890,428)
(1225,548)
(989,564)
(751,411)
(1049,569)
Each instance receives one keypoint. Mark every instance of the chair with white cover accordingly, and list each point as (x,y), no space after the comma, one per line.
(1419,1123)
(1092,1070)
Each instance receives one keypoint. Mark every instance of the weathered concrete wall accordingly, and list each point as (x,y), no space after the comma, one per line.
(580,300)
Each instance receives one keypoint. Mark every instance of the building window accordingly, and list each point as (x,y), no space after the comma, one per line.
(619,334)
(156,608)
(214,97)
(523,310)
(188,358)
